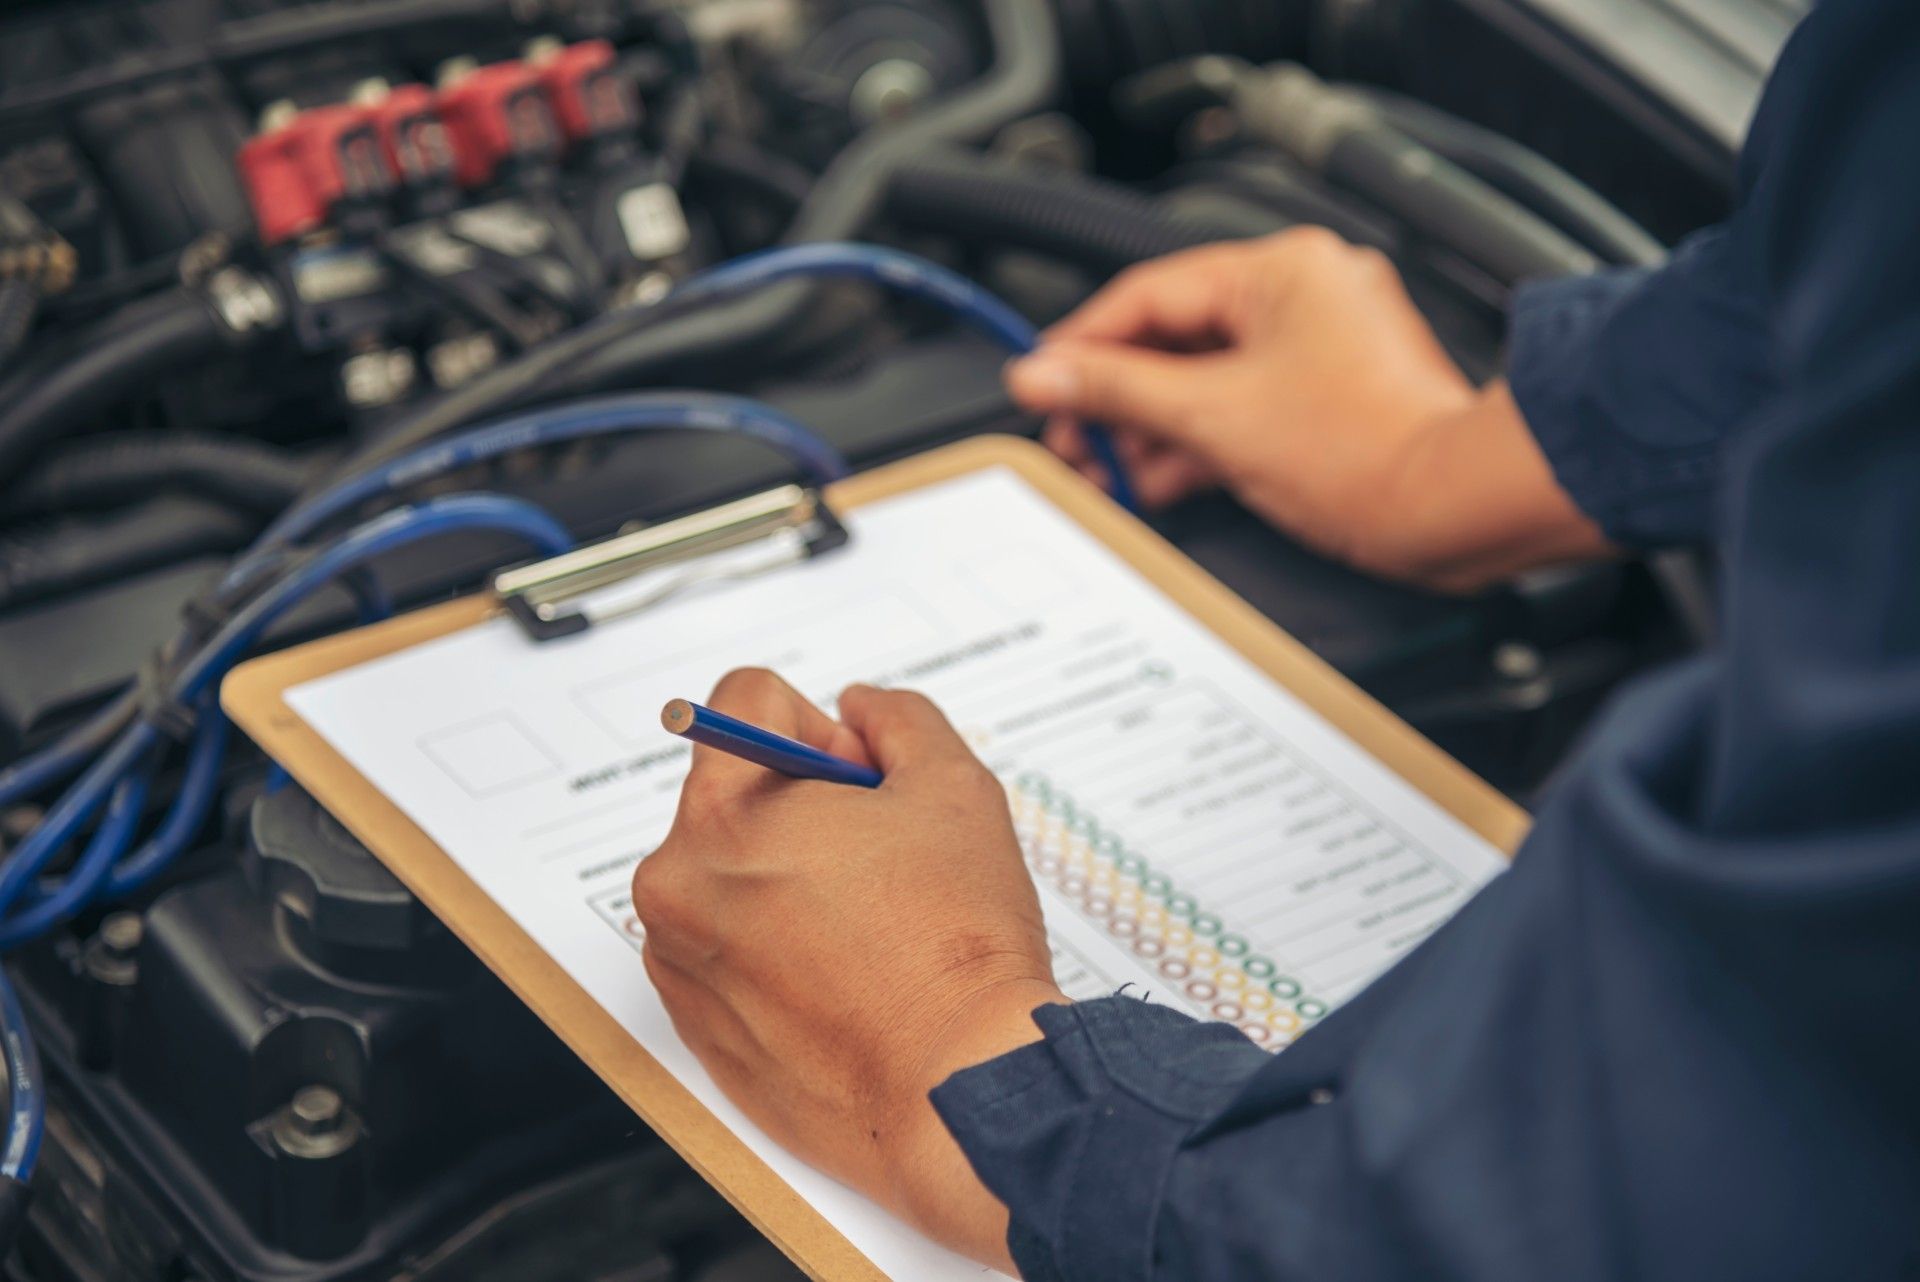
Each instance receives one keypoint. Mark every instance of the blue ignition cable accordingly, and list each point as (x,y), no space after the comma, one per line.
(913,277)
(196,679)
(199,786)
(601,416)
(62,757)
(118,773)
(45,909)
(27,1103)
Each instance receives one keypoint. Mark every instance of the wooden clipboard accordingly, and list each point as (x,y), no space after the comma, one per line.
(254,697)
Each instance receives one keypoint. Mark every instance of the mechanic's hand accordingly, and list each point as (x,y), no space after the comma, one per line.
(832,953)
(1295,371)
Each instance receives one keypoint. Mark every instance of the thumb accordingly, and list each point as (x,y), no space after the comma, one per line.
(1127,387)
(902,730)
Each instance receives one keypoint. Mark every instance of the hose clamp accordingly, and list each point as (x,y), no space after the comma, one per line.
(158,708)
(1289,107)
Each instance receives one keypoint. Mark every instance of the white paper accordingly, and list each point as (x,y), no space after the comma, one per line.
(1196,832)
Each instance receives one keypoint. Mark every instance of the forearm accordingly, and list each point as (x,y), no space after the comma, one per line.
(926,1179)
(1472,501)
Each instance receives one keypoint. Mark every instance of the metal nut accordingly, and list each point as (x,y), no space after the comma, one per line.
(316,1123)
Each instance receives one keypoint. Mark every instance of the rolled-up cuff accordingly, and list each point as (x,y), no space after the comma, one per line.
(1561,370)
(1076,1134)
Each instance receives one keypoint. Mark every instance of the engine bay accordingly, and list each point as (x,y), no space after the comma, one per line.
(247,246)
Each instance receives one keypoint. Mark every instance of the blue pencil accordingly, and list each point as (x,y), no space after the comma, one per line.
(763,747)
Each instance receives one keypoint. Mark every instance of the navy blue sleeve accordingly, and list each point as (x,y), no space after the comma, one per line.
(1678,1040)
(1633,381)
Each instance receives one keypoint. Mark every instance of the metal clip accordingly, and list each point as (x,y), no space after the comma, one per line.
(634,572)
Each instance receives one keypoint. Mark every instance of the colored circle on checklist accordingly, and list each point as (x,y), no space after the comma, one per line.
(1149,947)
(1130,864)
(1260,967)
(1284,1022)
(1230,980)
(1175,968)
(1283,988)
(1233,946)
(1207,924)
(1182,904)
(1201,991)
(1230,1012)
(1311,1009)
(1257,1000)
(1204,958)
(1157,885)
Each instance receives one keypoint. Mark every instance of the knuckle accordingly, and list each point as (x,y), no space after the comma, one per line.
(913,701)
(1132,278)
(1374,263)
(746,685)
(653,885)
(1314,245)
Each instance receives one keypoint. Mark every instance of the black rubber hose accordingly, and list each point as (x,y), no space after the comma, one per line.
(1344,137)
(1024,79)
(737,165)
(1527,177)
(69,556)
(1097,225)
(110,471)
(115,359)
(19,304)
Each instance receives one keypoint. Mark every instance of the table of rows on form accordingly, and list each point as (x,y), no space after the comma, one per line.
(1247,884)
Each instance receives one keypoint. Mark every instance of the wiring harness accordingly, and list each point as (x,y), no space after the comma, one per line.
(112,758)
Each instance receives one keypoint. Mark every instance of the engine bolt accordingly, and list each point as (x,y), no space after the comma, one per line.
(317,1110)
(120,935)
(1517,661)
(315,1123)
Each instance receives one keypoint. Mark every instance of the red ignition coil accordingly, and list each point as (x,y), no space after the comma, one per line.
(590,98)
(323,164)
(413,139)
(497,118)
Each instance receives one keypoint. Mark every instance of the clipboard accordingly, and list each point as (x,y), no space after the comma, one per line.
(254,697)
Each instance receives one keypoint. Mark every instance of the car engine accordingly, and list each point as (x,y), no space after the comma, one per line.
(247,243)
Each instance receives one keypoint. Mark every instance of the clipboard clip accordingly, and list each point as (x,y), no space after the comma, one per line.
(638,570)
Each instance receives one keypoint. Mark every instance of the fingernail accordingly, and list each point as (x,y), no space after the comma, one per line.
(1044,379)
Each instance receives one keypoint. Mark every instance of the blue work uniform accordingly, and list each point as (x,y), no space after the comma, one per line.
(1680,1039)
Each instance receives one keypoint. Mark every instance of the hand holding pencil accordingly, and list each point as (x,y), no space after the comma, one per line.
(833,953)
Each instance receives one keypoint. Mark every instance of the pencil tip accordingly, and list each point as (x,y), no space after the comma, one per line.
(677,715)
